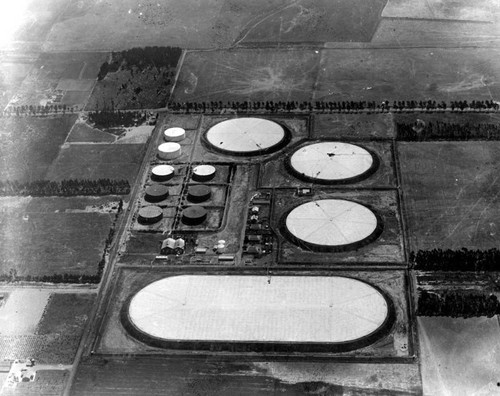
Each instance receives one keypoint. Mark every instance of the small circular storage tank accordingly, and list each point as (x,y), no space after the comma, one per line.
(162,173)
(194,215)
(199,193)
(169,151)
(174,134)
(156,193)
(150,214)
(203,173)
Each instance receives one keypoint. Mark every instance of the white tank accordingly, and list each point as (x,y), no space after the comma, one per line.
(169,151)
(174,134)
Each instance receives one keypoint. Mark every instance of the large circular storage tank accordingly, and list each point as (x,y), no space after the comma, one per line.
(194,215)
(246,136)
(199,193)
(282,313)
(203,173)
(169,151)
(332,224)
(174,134)
(156,193)
(150,214)
(332,162)
(162,173)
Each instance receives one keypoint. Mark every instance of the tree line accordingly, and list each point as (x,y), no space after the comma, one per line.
(66,188)
(332,106)
(457,304)
(456,260)
(445,130)
(109,118)
(141,58)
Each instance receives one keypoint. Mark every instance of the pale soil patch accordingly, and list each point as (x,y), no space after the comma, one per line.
(22,311)
(459,356)
(139,134)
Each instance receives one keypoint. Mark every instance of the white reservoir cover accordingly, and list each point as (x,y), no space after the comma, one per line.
(174,134)
(163,170)
(331,222)
(250,308)
(204,170)
(331,161)
(245,135)
(169,150)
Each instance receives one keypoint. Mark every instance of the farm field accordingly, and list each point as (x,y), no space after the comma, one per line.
(63,237)
(311,21)
(194,376)
(62,79)
(481,10)
(29,145)
(42,324)
(459,356)
(47,383)
(13,70)
(252,74)
(451,193)
(353,126)
(97,161)
(418,74)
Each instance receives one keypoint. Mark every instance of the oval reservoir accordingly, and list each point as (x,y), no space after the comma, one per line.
(282,310)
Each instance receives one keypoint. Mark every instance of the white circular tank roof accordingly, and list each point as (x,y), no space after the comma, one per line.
(252,309)
(245,135)
(331,161)
(174,134)
(163,170)
(169,147)
(331,222)
(204,170)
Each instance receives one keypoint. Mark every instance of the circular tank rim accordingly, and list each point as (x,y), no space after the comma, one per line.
(287,137)
(331,248)
(263,346)
(162,166)
(354,179)
(173,147)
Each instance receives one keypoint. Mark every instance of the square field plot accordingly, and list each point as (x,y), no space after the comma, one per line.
(115,338)
(451,193)
(420,73)
(47,236)
(253,74)
(28,146)
(97,161)
(280,172)
(373,237)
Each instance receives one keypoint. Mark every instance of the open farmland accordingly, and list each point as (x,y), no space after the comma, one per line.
(13,70)
(29,145)
(97,161)
(60,79)
(460,357)
(46,236)
(451,193)
(409,74)
(310,20)
(253,74)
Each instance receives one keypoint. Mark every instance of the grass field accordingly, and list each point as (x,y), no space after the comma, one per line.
(41,237)
(13,70)
(47,383)
(84,133)
(480,10)
(418,74)
(353,126)
(308,20)
(29,145)
(241,75)
(451,193)
(97,161)
(70,76)
(460,357)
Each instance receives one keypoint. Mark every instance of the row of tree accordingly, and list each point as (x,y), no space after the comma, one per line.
(456,260)
(445,130)
(141,58)
(66,188)
(457,304)
(109,118)
(331,106)
(31,110)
